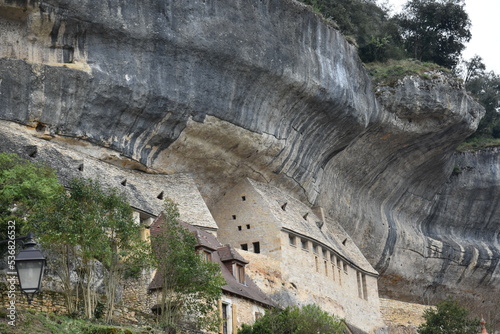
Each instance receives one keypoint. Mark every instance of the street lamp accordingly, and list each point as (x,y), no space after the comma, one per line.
(30,264)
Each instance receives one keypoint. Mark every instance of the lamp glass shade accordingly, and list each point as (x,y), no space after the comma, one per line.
(30,266)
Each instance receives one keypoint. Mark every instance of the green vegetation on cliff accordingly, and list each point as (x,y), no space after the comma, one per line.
(427,36)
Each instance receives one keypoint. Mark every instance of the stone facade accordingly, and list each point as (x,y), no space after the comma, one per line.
(314,265)
(239,311)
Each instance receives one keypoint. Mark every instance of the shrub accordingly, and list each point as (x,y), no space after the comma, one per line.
(295,320)
(448,318)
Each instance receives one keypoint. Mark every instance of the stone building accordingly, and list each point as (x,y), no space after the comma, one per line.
(312,254)
(242,301)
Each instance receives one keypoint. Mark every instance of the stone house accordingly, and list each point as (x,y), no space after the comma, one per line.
(242,301)
(315,258)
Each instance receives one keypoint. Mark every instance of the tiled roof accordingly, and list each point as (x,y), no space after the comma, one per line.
(249,290)
(228,253)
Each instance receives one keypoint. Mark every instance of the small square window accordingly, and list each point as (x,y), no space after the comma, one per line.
(248,226)
(244,247)
(239,228)
(234,217)
(243,198)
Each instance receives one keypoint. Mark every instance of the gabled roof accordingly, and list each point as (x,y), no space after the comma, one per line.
(298,218)
(220,254)
(228,253)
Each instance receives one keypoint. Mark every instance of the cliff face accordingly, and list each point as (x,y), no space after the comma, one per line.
(265,89)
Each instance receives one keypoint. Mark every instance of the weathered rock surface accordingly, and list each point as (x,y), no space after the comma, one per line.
(266,89)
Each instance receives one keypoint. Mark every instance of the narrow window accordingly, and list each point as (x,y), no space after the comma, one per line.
(225,318)
(243,198)
(244,247)
(239,228)
(326,268)
(303,243)
(365,289)
(256,247)
(234,217)
(360,289)
(207,256)
(291,239)
(345,268)
(333,272)
(248,226)
(316,264)
(324,253)
(240,272)
(315,249)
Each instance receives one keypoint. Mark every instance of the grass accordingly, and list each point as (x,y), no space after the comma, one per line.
(28,321)
(478,143)
(388,74)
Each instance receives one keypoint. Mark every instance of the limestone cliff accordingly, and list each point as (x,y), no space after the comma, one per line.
(266,89)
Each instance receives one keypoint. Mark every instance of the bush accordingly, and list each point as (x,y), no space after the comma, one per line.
(294,320)
(448,318)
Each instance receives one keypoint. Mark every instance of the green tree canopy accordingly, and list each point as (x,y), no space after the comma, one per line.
(486,88)
(448,318)
(435,30)
(375,33)
(296,320)
(26,187)
(190,285)
(86,226)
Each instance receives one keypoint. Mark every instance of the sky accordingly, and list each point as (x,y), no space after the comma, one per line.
(485,21)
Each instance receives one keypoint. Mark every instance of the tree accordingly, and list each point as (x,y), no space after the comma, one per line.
(435,30)
(486,88)
(474,68)
(376,34)
(448,318)
(25,187)
(89,227)
(190,285)
(295,320)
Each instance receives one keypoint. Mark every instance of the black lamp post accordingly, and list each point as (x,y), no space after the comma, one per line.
(30,264)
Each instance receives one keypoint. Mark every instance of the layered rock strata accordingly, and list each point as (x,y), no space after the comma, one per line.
(266,89)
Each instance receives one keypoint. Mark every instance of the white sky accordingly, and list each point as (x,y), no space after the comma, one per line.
(485,20)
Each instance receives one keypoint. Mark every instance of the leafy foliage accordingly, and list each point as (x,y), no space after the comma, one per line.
(30,321)
(295,320)
(25,188)
(190,285)
(448,318)
(85,227)
(375,33)
(435,30)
